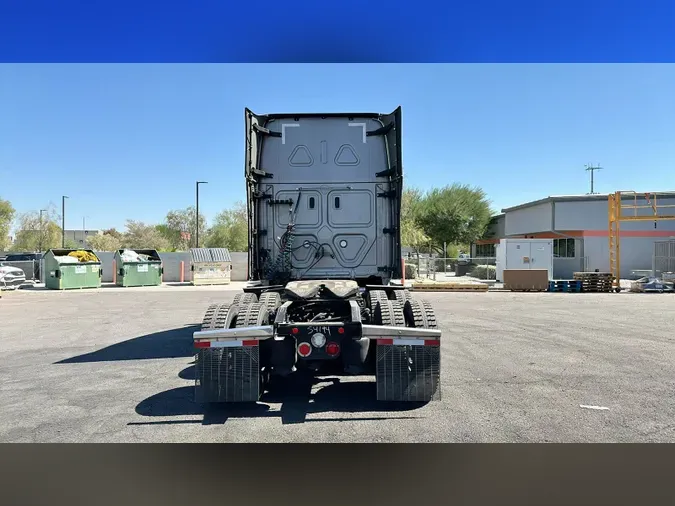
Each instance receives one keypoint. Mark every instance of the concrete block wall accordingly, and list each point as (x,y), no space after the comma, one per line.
(106,258)
(239,266)
(172,262)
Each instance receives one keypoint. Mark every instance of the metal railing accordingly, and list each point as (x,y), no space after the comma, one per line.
(439,269)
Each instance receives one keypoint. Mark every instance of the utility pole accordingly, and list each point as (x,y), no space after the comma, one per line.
(41,230)
(63,221)
(84,234)
(592,169)
(197,214)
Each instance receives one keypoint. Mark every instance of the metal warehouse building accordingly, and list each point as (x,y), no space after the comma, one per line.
(579,227)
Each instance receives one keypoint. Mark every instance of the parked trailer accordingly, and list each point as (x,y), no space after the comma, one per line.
(324,197)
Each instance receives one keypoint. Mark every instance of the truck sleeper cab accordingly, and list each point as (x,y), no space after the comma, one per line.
(323,197)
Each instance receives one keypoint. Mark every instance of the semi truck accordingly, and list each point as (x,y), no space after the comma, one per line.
(324,287)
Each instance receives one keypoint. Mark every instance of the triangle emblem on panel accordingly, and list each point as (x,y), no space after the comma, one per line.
(301,156)
(346,156)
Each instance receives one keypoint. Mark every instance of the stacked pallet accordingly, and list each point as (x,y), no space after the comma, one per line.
(434,286)
(594,281)
(565,285)
(524,288)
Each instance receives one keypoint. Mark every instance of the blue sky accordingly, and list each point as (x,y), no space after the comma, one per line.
(128,141)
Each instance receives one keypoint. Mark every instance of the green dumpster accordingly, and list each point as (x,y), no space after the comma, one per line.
(139,267)
(67,269)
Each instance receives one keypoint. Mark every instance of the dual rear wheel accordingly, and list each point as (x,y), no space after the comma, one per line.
(401,309)
(246,310)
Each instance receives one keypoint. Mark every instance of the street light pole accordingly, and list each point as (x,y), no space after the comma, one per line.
(197,213)
(63,221)
(41,229)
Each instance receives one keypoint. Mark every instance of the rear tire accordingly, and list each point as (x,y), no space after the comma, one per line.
(390,313)
(419,314)
(374,296)
(218,316)
(401,295)
(252,315)
(207,321)
(272,300)
(245,298)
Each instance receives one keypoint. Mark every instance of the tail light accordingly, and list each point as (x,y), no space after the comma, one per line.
(341,330)
(295,330)
(332,349)
(304,349)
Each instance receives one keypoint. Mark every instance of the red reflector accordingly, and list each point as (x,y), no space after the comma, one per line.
(432,342)
(341,330)
(332,348)
(385,341)
(304,349)
(202,344)
(250,342)
(295,330)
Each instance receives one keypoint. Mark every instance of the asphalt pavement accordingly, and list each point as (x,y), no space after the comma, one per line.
(116,365)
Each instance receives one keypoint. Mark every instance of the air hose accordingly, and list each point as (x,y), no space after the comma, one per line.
(280,270)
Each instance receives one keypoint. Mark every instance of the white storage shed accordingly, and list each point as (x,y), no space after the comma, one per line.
(524,254)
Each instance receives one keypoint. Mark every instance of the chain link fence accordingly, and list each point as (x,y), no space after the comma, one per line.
(31,268)
(663,262)
(444,269)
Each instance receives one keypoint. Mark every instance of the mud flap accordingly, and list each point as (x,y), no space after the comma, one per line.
(408,370)
(228,374)
(227,364)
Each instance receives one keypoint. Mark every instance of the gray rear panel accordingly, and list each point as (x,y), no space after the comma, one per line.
(343,174)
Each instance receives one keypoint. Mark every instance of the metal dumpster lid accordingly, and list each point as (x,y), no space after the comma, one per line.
(199,255)
(220,255)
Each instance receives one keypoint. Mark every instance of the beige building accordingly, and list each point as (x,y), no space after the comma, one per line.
(80,236)
(578,226)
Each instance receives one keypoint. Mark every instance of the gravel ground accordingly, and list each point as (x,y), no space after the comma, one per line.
(115,365)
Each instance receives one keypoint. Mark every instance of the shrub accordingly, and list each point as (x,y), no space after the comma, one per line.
(445,265)
(484,272)
(410,271)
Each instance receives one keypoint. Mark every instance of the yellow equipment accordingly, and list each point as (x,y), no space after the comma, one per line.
(616,216)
